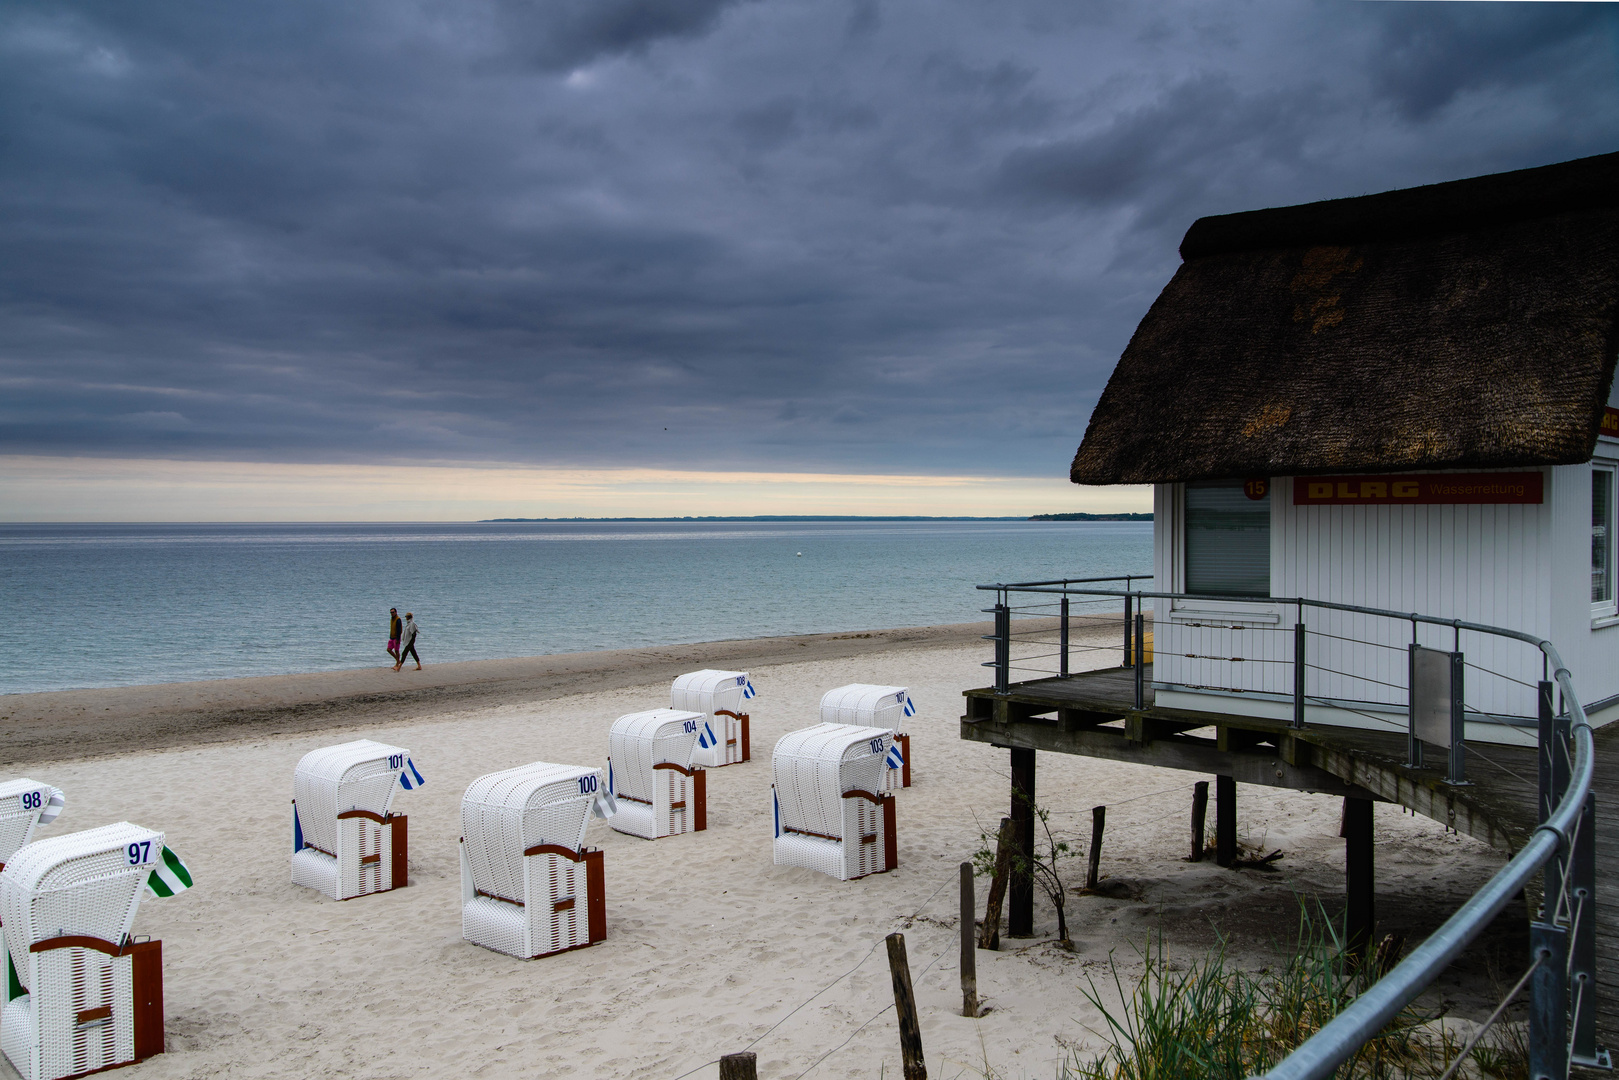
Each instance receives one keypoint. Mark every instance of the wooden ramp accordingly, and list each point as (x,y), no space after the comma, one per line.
(1093,715)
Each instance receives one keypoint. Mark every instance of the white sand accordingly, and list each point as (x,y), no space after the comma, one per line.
(708,944)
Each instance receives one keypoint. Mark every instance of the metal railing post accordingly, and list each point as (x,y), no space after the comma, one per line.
(1458,722)
(1063,634)
(1548,1003)
(1557,750)
(1003,647)
(1546,805)
(1298,670)
(1582,972)
(1129,651)
(1413,745)
(1141,664)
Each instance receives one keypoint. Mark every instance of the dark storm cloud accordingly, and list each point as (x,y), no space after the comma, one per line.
(873,236)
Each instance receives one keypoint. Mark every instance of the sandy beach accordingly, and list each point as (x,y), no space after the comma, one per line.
(710,948)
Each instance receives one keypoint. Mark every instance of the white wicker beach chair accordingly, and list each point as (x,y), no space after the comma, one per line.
(83,995)
(718,695)
(24,806)
(650,773)
(829,814)
(529,886)
(344,840)
(886,707)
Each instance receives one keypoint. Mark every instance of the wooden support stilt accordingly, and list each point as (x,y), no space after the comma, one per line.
(1359,893)
(1020,913)
(1225,820)
(1200,812)
(743,1066)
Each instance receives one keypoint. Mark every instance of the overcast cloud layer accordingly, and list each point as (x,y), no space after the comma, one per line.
(829,235)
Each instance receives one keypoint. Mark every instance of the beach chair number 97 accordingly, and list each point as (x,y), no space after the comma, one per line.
(587,785)
(139,852)
(396,761)
(33,800)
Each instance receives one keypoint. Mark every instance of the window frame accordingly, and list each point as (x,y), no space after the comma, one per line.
(1254,609)
(1608,609)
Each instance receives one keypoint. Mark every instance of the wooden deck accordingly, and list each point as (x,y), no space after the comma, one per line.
(1093,715)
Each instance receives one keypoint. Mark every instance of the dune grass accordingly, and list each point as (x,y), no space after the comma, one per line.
(1213,1021)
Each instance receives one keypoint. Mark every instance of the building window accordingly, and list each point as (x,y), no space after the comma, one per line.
(1602,537)
(1227,539)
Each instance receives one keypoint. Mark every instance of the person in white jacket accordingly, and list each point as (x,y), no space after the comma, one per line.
(407,643)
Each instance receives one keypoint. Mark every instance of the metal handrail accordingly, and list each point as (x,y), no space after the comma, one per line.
(1320,1056)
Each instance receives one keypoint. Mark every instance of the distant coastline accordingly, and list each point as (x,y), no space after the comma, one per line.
(826,517)
(755,517)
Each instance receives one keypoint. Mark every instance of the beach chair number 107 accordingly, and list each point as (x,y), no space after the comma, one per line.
(33,800)
(396,761)
(139,852)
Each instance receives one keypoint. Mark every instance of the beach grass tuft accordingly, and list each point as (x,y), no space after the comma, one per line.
(1211,1020)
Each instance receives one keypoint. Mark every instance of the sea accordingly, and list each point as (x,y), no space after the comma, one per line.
(98,605)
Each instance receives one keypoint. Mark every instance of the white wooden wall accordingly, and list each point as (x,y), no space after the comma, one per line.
(1522,567)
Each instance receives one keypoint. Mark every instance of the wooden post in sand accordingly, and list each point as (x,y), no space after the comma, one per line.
(1094,863)
(1200,813)
(910,1031)
(989,937)
(969,955)
(743,1066)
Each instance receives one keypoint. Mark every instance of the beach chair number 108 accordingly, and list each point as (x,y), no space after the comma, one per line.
(587,785)
(396,761)
(139,852)
(33,800)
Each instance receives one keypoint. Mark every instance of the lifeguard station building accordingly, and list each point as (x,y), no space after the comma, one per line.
(1382,441)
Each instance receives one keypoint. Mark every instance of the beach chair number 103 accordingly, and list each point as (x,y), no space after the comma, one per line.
(140,853)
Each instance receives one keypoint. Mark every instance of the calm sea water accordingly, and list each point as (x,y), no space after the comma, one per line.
(116,605)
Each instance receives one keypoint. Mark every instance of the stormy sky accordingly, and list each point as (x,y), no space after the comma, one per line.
(836,236)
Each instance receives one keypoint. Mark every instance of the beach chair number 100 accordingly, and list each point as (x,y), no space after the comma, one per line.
(140,853)
(587,785)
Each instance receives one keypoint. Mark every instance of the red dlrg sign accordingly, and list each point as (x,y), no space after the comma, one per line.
(1419,490)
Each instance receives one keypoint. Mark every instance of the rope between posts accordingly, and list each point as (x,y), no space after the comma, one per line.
(831,984)
(868,1022)
(1496,1015)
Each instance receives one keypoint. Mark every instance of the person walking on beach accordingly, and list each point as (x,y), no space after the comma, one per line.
(394,627)
(407,643)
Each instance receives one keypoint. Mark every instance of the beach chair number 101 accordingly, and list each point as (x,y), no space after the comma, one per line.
(396,761)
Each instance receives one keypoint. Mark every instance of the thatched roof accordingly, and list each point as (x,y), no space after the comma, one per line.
(1460,325)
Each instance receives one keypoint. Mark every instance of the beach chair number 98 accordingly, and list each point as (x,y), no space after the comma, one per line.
(587,785)
(396,761)
(33,800)
(139,852)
